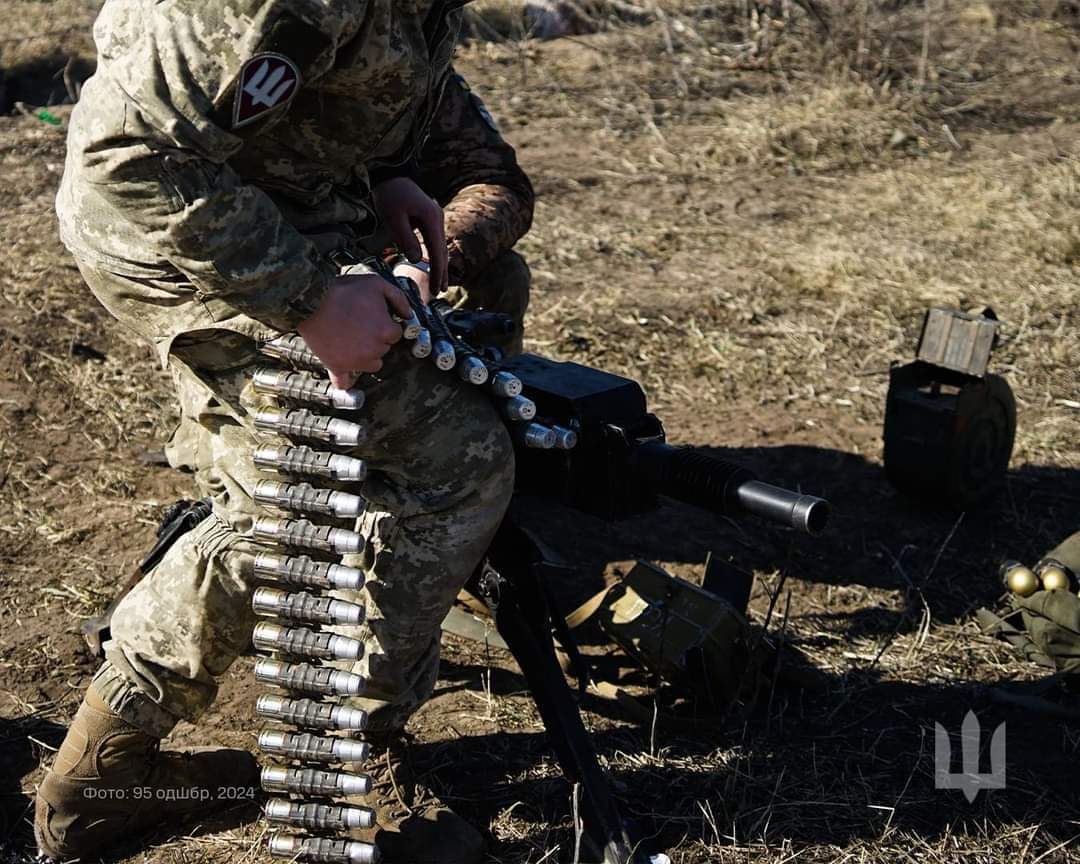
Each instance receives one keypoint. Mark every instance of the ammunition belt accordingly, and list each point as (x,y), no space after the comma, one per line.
(318,743)
(316,734)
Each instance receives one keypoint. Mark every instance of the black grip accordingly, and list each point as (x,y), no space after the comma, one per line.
(178,519)
(476,326)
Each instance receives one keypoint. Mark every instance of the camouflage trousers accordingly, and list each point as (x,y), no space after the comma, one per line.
(440,476)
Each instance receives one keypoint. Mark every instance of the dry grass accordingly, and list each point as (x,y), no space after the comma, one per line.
(748,213)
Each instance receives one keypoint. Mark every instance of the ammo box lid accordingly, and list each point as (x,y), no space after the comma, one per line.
(958,341)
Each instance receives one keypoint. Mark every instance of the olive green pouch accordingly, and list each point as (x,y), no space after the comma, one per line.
(1044,628)
(1067,553)
(684,634)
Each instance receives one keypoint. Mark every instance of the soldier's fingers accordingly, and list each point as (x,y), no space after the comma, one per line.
(419,278)
(372,360)
(433,231)
(390,333)
(342,379)
(403,235)
(396,299)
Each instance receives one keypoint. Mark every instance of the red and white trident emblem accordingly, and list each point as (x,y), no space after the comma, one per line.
(267,81)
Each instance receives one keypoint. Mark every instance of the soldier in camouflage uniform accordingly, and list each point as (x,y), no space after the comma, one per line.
(224,155)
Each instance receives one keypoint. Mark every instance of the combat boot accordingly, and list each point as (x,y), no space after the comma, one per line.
(110,782)
(412,825)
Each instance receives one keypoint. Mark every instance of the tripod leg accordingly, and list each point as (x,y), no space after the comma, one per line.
(509,593)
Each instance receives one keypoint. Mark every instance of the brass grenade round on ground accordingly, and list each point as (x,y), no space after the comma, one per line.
(1054,578)
(1020,579)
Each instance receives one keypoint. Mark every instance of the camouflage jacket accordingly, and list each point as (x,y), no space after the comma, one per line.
(224,147)
(468,167)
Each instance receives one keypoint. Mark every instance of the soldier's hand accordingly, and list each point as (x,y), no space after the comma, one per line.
(352,330)
(419,276)
(406,208)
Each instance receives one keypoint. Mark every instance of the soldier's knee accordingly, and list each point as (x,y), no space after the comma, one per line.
(511,271)
(506,461)
(503,286)
(489,450)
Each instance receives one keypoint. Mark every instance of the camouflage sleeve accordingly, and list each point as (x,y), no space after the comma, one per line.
(196,78)
(468,167)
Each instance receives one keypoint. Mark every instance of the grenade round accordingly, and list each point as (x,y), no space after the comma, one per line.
(302,606)
(305,498)
(1054,577)
(443,354)
(317,463)
(472,370)
(307,678)
(565,439)
(305,643)
(333,817)
(313,781)
(312,748)
(306,424)
(422,346)
(411,327)
(518,408)
(292,349)
(312,714)
(322,850)
(308,535)
(302,570)
(536,436)
(305,387)
(1019,578)
(506,385)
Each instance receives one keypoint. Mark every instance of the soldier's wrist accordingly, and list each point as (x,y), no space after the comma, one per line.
(378,175)
(307,301)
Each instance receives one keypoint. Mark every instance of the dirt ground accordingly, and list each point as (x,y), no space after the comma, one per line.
(748,213)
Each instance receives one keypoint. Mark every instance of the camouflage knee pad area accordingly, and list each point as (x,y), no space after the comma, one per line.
(440,477)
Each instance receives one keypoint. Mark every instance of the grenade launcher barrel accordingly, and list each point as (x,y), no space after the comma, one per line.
(714,484)
(621,462)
